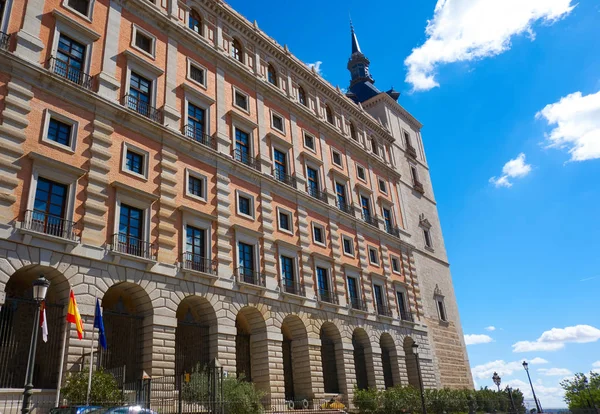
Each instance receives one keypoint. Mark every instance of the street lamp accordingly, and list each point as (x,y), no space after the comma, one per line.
(586,384)
(512,401)
(415,347)
(537,404)
(40,288)
(497,380)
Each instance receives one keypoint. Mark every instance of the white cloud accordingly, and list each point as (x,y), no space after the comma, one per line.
(503,368)
(556,338)
(576,121)
(475,339)
(596,364)
(467,30)
(316,66)
(515,168)
(549,396)
(555,372)
(490,328)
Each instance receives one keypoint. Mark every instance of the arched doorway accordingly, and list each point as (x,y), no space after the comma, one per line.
(331,358)
(195,340)
(362,350)
(411,363)
(251,348)
(389,361)
(296,359)
(16,323)
(126,307)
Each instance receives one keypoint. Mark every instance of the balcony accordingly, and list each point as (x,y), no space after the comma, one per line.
(370,220)
(411,151)
(406,316)
(198,263)
(143,108)
(122,243)
(249,276)
(70,73)
(246,159)
(384,310)
(345,207)
(293,287)
(394,231)
(316,193)
(328,297)
(4,40)
(358,304)
(44,223)
(418,187)
(198,135)
(284,178)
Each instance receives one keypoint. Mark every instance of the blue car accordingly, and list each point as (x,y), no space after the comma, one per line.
(128,409)
(74,409)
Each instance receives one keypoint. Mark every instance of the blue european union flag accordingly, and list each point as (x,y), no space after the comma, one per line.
(99,324)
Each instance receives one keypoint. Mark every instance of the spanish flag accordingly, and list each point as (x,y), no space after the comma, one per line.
(73,316)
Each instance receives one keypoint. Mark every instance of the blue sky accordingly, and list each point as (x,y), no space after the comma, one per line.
(492,81)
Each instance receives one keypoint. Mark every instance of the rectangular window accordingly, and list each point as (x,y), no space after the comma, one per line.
(366,207)
(288,275)
(442,310)
(140,90)
(325,294)
(242,146)
(70,59)
(195,245)
(280,165)
(244,205)
(59,132)
(382,186)
(427,237)
(373,256)
(144,42)
(277,122)
(387,217)
(80,6)
(134,162)
(131,233)
(196,186)
(318,234)
(340,192)
(49,207)
(337,158)
(348,245)
(379,299)
(353,290)
(407,139)
(360,172)
(414,174)
(285,221)
(196,122)
(241,100)
(395,265)
(246,263)
(197,74)
(309,141)
(401,304)
(313,180)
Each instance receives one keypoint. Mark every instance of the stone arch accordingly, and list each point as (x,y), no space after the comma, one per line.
(389,360)
(195,335)
(17,314)
(296,359)
(411,363)
(251,347)
(332,359)
(363,359)
(128,322)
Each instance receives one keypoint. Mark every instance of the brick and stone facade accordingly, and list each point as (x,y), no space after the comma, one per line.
(246,86)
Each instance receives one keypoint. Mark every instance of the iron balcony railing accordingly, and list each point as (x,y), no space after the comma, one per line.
(284,178)
(42,222)
(345,207)
(123,243)
(199,263)
(293,287)
(316,193)
(418,186)
(4,40)
(394,231)
(143,108)
(411,151)
(70,73)
(198,135)
(369,219)
(250,276)
(406,315)
(358,304)
(384,310)
(246,159)
(328,296)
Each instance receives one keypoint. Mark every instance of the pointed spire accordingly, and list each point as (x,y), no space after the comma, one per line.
(355,45)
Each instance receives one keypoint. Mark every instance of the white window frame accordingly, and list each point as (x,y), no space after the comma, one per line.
(199,223)
(355,275)
(322,228)
(370,249)
(397,259)
(239,193)
(76,31)
(276,147)
(190,97)
(134,31)
(276,114)
(363,179)
(385,186)
(145,206)
(292,254)
(290,215)
(144,69)
(250,240)
(190,63)
(328,268)
(336,152)
(317,168)
(88,16)
(127,146)
(353,253)
(58,175)
(314,139)
(50,114)
(235,105)
(195,174)
(381,284)
(235,125)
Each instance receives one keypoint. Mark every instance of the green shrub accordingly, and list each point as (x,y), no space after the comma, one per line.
(104,390)
(367,401)
(241,397)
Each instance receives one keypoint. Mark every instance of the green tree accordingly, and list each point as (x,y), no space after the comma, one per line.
(578,395)
(104,390)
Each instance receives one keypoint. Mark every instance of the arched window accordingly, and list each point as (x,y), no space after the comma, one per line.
(374,146)
(353,132)
(272,75)
(302,96)
(329,114)
(236,51)
(195,22)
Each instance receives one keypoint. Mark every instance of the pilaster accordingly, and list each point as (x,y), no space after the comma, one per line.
(167,207)
(326,157)
(224,249)
(172,114)
(223,136)
(269,247)
(297,140)
(305,241)
(107,81)
(338,273)
(29,44)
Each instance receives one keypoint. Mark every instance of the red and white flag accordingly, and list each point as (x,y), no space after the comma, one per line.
(43,322)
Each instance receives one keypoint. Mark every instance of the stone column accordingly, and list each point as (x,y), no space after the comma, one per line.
(367,290)
(107,81)
(328,183)
(338,279)
(269,247)
(297,139)
(315,367)
(29,44)
(263,153)
(172,113)
(225,334)
(224,249)
(353,199)
(159,348)
(375,367)
(267,363)
(345,358)
(223,135)
(167,208)
(305,241)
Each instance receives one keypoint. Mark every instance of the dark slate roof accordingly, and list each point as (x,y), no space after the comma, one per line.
(363,91)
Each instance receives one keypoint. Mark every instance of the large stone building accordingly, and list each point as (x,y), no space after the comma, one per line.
(220,198)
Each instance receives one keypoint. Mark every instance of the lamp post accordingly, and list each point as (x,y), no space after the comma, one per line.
(586,384)
(537,404)
(497,380)
(512,401)
(415,347)
(40,288)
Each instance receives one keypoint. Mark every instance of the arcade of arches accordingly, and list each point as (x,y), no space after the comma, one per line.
(154,328)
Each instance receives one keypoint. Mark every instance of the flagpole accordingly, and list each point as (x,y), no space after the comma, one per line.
(89,389)
(62,362)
